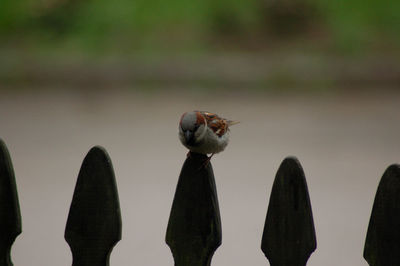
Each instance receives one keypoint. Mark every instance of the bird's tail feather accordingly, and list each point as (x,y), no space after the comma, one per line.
(231,123)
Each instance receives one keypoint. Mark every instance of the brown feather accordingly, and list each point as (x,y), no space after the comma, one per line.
(217,124)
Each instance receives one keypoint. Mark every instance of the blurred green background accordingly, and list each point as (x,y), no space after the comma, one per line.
(353,43)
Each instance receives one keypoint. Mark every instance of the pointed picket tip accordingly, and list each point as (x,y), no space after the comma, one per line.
(194,228)
(10,216)
(289,234)
(382,244)
(94,220)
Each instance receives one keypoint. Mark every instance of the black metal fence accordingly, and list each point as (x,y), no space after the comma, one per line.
(194,228)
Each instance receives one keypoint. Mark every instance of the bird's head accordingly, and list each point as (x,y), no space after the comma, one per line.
(192,128)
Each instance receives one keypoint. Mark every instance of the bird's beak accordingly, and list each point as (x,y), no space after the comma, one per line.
(189,137)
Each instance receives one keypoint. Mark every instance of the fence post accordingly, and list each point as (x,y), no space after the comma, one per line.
(289,234)
(10,216)
(382,244)
(94,220)
(194,227)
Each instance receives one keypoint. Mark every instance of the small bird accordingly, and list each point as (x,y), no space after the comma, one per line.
(204,132)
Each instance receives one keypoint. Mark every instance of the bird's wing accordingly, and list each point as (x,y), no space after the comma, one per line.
(217,124)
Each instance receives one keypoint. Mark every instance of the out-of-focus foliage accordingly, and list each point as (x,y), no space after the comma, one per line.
(153,23)
(366,22)
(13,15)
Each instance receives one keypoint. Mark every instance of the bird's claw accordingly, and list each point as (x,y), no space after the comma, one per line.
(206,162)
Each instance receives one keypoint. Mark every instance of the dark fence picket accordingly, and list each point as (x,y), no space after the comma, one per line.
(10,216)
(194,227)
(94,220)
(382,244)
(289,234)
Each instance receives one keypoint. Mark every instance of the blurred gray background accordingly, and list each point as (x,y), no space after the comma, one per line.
(314,79)
(343,142)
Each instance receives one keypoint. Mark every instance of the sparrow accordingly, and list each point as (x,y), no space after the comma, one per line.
(204,132)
